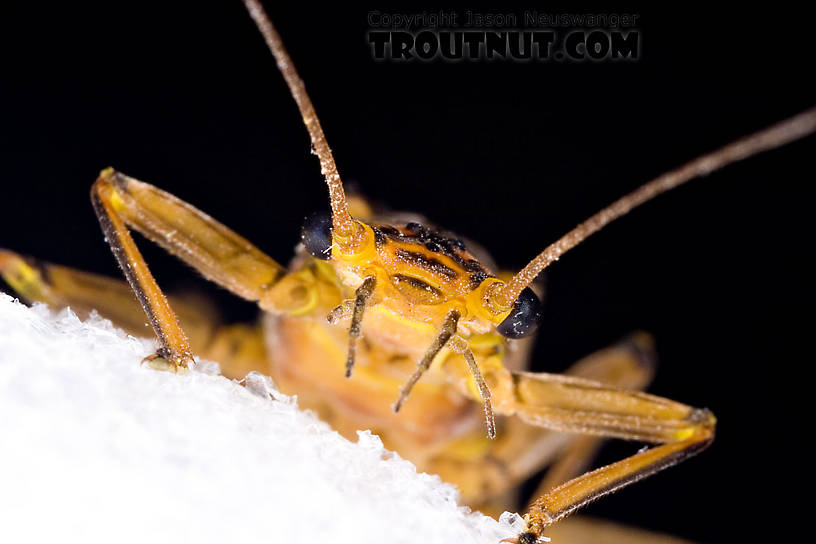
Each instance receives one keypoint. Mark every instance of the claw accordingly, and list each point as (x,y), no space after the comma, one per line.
(159,361)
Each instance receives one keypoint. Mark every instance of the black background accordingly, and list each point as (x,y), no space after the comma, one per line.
(509,154)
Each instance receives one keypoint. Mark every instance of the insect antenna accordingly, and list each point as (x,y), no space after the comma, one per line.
(341,217)
(777,135)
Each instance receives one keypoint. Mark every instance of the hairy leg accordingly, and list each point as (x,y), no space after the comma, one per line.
(215,251)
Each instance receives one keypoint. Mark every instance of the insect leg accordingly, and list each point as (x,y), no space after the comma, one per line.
(485,471)
(238,348)
(212,249)
(578,492)
(61,287)
(629,364)
(577,405)
(583,406)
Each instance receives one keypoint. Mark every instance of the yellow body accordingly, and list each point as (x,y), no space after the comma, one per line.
(308,353)
(308,356)
(418,318)
(422,275)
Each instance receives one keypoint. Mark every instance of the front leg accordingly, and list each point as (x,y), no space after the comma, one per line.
(212,249)
(492,468)
(175,348)
(582,406)
(577,405)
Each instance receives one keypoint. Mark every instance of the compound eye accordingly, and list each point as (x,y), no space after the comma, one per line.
(523,319)
(316,235)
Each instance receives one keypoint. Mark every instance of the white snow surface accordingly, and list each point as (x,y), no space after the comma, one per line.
(96,448)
